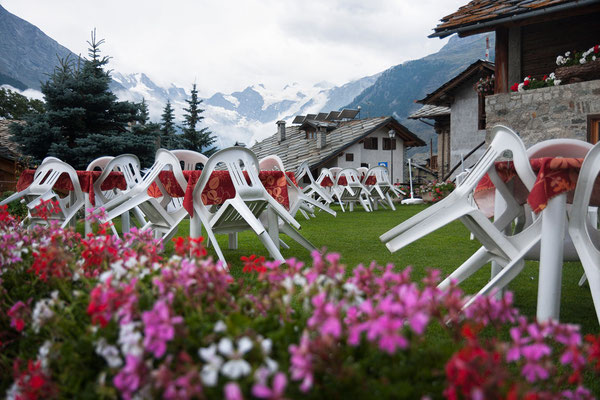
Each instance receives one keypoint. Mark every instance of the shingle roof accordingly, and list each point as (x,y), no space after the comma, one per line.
(8,149)
(296,148)
(439,96)
(430,111)
(480,14)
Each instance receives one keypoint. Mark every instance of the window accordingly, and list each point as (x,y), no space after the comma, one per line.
(389,144)
(593,128)
(310,134)
(349,157)
(481,112)
(371,143)
(362,164)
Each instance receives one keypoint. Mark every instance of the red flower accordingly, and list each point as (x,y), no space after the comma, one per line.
(526,82)
(515,87)
(254,263)
(596,49)
(193,246)
(545,77)
(33,383)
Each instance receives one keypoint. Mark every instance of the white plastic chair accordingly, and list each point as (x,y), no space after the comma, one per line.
(97,165)
(191,160)
(584,233)
(313,189)
(162,221)
(379,192)
(362,173)
(41,189)
(298,201)
(353,191)
(129,166)
(242,212)
(527,235)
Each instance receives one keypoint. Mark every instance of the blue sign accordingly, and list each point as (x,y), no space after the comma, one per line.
(383,164)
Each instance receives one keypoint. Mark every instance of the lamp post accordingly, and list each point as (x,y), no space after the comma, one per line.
(392,135)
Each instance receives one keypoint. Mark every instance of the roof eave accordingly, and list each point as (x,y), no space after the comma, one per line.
(491,24)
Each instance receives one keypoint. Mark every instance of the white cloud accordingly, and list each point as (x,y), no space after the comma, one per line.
(230,44)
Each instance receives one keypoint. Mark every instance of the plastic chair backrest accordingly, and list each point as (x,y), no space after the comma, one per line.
(335,171)
(236,160)
(381,174)
(271,163)
(190,159)
(99,163)
(351,175)
(571,148)
(48,173)
(128,164)
(164,159)
(362,172)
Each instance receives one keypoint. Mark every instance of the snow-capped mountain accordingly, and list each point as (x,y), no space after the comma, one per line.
(242,116)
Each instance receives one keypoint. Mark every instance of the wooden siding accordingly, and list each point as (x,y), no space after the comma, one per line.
(542,43)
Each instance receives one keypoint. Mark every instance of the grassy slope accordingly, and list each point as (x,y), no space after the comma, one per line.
(356,237)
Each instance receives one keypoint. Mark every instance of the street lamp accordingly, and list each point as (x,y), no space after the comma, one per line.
(392,135)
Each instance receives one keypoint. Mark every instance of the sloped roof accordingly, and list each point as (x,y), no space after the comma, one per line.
(296,149)
(8,149)
(440,96)
(430,111)
(485,15)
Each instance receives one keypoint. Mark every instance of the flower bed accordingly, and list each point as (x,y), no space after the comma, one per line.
(435,191)
(112,318)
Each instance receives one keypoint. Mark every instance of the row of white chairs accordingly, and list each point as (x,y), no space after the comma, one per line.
(351,186)
(252,208)
(515,233)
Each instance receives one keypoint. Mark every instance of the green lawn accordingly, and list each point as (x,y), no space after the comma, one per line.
(356,237)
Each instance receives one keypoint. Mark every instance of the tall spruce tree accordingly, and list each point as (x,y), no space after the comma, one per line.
(167,128)
(193,139)
(83,119)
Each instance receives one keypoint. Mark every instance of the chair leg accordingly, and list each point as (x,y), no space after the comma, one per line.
(283,244)
(233,241)
(292,233)
(271,248)
(476,261)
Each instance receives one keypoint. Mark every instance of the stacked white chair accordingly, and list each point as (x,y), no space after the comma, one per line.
(190,161)
(41,189)
(97,165)
(585,235)
(129,166)
(379,192)
(243,211)
(162,221)
(353,190)
(297,199)
(313,189)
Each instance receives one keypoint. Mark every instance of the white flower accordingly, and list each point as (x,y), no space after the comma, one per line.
(567,54)
(236,367)
(266,345)
(582,60)
(210,371)
(560,60)
(13,392)
(521,87)
(556,82)
(42,313)
(593,58)
(552,76)
(130,339)
(43,354)
(220,327)
(109,352)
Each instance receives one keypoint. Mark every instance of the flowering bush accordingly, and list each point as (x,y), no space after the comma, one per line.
(532,83)
(435,190)
(579,57)
(109,317)
(485,85)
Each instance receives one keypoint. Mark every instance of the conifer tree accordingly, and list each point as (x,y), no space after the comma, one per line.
(193,139)
(143,114)
(167,128)
(83,119)
(15,106)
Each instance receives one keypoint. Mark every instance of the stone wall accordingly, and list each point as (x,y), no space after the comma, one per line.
(546,113)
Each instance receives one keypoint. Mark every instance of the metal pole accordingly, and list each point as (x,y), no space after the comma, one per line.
(392,163)
(410,177)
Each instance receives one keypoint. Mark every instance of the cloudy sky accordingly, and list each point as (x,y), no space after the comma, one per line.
(227,45)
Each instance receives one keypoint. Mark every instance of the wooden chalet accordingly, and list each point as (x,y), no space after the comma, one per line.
(9,158)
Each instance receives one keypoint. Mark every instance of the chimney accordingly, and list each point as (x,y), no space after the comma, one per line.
(321,137)
(280,131)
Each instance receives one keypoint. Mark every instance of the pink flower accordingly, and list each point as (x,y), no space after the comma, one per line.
(129,379)
(276,393)
(301,363)
(232,391)
(17,313)
(158,328)
(326,316)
